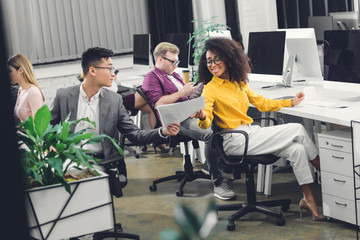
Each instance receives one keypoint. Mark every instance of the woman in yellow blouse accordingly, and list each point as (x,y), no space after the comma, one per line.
(223,69)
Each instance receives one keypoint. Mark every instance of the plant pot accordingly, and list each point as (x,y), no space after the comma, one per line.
(53,213)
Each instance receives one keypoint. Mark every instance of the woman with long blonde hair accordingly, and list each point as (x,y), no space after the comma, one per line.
(29,98)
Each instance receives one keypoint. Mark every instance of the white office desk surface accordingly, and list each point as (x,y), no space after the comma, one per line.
(346,99)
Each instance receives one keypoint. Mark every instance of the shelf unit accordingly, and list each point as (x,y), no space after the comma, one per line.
(355,139)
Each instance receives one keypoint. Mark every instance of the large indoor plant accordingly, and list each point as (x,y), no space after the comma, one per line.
(48,152)
(202,33)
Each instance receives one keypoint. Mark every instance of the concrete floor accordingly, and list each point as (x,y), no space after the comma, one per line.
(148,213)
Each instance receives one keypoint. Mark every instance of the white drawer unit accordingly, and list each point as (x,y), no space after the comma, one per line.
(337,185)
(336,140)
(337,178)
(339,208)
(336,162)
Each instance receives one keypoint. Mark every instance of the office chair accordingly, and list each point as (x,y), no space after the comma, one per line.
(187,175)
(247,163)
(124,91)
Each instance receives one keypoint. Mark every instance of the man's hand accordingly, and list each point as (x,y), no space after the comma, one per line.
(299,97)
(172,129)
(187,90)
(199,114)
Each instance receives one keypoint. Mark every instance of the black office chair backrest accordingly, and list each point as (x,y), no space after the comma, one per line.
(142,94)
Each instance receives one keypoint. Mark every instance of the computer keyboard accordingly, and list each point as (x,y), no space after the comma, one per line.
(285,97)
(320,103)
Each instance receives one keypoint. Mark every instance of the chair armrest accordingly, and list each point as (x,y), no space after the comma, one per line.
(267,118)
(244,133)
(107,161)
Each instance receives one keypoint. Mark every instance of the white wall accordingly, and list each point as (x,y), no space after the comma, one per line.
(256,16)
(51,77)
(46,31)
(209,8)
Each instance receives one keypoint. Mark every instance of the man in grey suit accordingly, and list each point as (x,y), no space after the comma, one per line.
(104,107)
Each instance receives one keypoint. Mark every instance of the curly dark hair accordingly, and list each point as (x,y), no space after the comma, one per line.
(236,61)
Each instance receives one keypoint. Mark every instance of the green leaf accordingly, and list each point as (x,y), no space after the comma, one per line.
(170,234)
(29,126)
(64,132)
(83,158)
(187,220)
(79,136)
(42,120)
(60,147)
(65,184)
(210,226)
(82,119)
(57,164)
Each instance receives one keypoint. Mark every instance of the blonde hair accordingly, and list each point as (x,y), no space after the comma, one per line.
(20,61)
(164,47)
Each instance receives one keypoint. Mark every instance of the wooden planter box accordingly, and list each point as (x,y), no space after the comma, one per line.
(55,214)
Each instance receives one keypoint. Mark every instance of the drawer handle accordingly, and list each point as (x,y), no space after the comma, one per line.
(338,146)
(341,181)
(341,158)
(341,204)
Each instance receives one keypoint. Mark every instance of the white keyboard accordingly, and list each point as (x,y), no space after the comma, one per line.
(320,103)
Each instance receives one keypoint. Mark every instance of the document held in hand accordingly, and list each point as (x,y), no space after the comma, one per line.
(178,112)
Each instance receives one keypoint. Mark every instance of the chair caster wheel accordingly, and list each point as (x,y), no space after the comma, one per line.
(153,188)
(280,221)
(285,208)
(144,149)
(179,193)
(137,155)
(231,226)
(118,228)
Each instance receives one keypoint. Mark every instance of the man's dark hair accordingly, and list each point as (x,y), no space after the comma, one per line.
(94,56)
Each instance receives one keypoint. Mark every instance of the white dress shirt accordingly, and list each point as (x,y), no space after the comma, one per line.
(89,108)
(176,82)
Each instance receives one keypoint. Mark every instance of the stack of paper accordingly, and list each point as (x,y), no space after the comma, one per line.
(178,112)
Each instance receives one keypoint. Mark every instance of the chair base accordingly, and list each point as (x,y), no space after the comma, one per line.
(116,233)
(188,175)
(182,176)
(264,207)
(132,151)
(251,205)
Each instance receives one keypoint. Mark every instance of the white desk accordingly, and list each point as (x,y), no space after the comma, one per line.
(341,94)
(335,93)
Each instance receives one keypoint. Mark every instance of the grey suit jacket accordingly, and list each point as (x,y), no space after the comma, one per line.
(113,117)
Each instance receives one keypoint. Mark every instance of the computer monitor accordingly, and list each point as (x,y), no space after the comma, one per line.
(302,53)
(342,56)
(181,41)
(141,49)
(345,20)
(320,24)
(266,52)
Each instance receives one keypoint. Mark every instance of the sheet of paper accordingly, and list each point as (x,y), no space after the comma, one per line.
(178,112)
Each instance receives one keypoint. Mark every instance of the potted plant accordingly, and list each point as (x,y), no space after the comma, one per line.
(70,198)
(202,33)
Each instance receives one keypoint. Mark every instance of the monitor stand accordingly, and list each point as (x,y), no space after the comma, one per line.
(287,75)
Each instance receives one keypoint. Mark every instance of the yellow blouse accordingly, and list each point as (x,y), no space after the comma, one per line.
(230,103)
